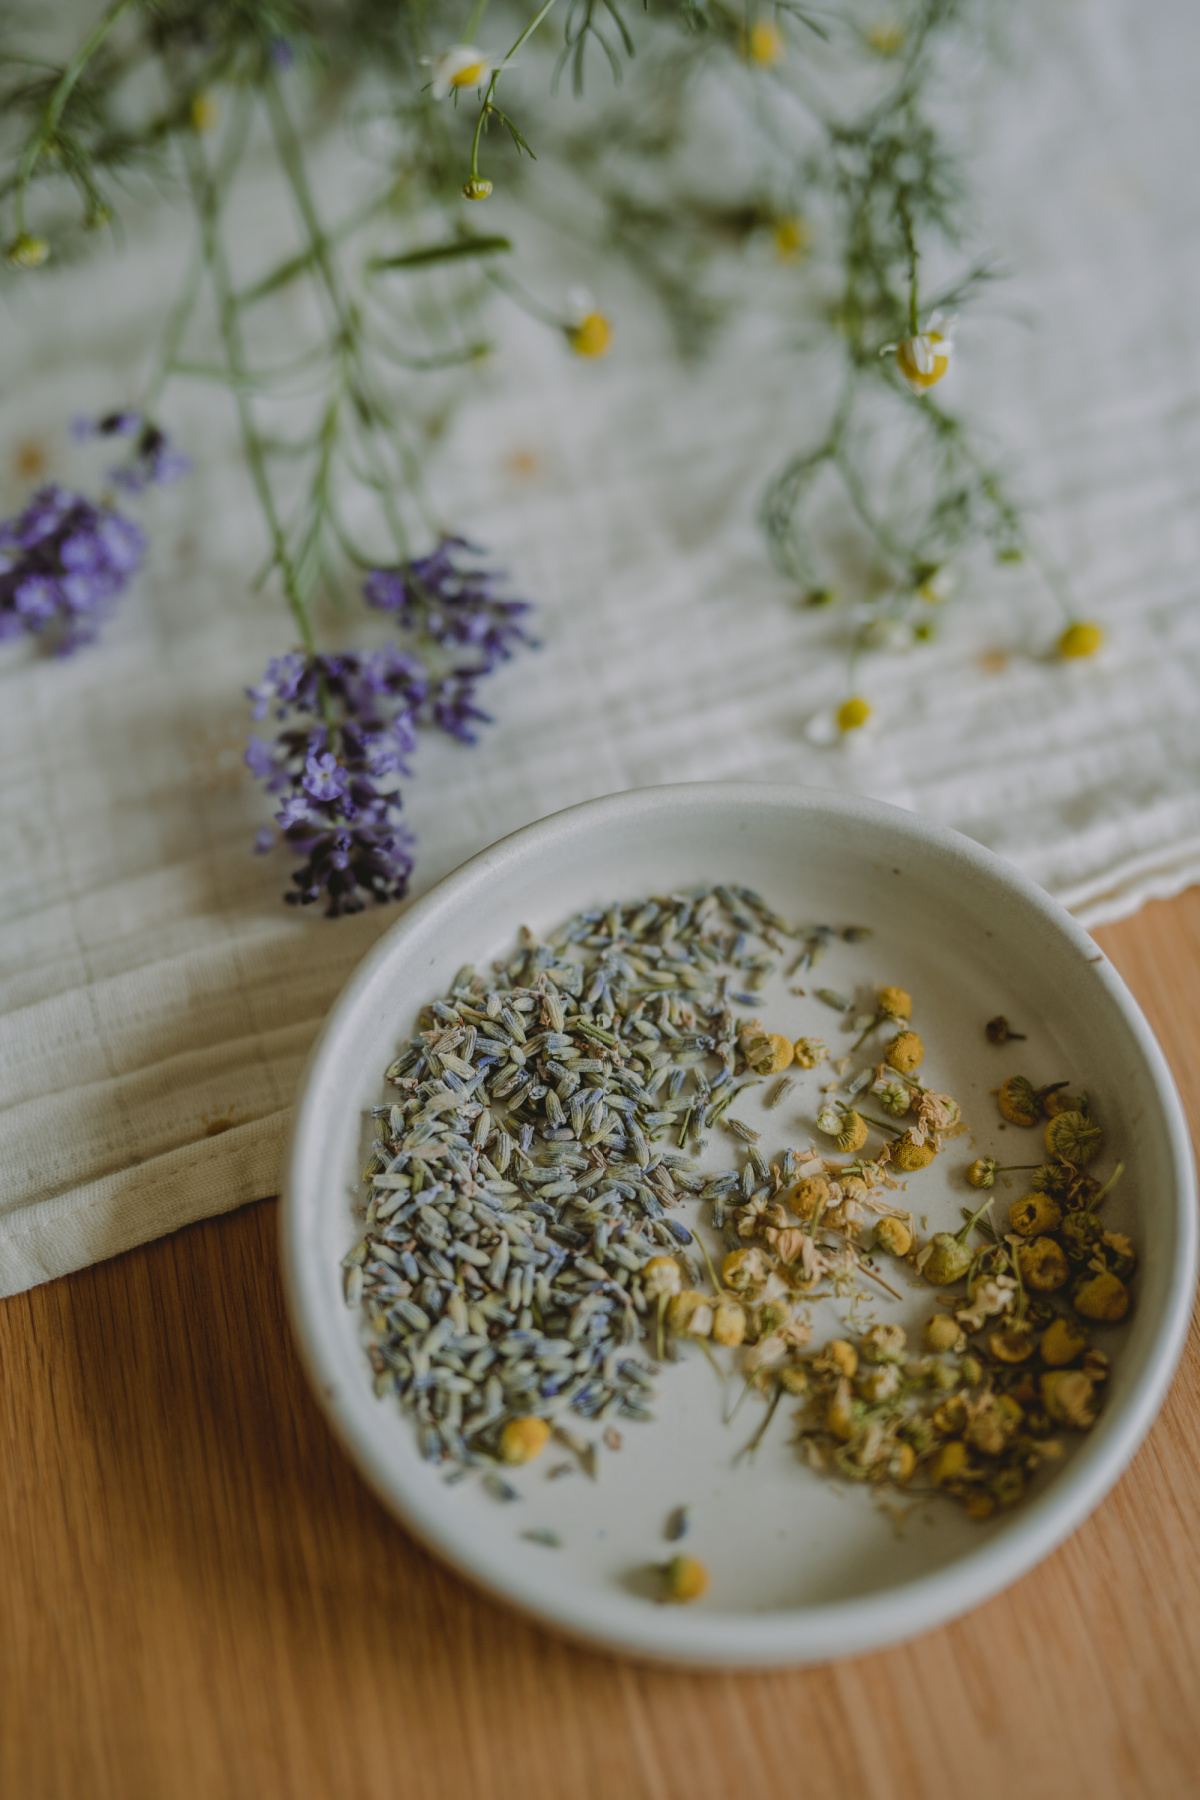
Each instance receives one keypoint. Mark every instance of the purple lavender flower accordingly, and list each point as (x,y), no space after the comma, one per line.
(441,597)
(153,459)
(355,727)
(63,563)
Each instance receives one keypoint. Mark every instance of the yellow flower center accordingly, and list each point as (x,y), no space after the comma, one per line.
(791,238)
(764,45)
(853,713)
(1080,640)
(471,75)
(592,336)
(202,112)
(886,40)
(906,362)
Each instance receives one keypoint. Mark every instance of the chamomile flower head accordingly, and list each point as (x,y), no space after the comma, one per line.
(1080,639)
(924,358)
(588,331)
(461,66)
(853,721)
(765,45)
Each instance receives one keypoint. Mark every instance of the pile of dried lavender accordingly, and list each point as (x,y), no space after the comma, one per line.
(518,1235)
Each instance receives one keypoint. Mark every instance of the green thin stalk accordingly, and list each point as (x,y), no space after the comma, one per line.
(292,162)
(56,104)
(207,190)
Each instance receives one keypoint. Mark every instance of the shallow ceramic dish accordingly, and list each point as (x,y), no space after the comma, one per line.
(802,1569)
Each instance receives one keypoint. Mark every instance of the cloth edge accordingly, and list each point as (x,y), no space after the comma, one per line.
(102,1218)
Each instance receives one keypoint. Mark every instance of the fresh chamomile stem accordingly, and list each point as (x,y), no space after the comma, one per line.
(52,113)
(486,105)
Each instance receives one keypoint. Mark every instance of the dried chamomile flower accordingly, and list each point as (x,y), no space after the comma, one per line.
(1043,1265)
(883,1343)
(894,1236)
(1018,1101)
(690,1314)
(1015,1344)
(729,1323)
(770,1054)
(907,1154)
(839,1411)
(684,1579)
(995,1421)
(905,1052)
(1068,1395)
(743,1270)
(661,1278)
(879,1383)
(851,1134)
(983,1171)
(524,1438)
(999,1031)
(1074,1137)
(1104,1298)
(1068,1185)
(942,1333)
(1034,1215)
(1061,1342)
(948,1257)
(838,1357)
(893,1096)
(1056,1100)
(950,1464)
(809,1052)
(895,1003)
(810,1197)
(793,1378)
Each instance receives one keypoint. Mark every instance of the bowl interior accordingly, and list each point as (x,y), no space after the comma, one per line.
(800,1567)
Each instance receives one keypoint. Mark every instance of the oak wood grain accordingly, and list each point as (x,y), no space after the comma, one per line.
(201,1599)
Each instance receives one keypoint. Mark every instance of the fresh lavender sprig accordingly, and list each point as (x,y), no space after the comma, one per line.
(153,459)
(64,562)
(457,606)
(356,715)
(335,769)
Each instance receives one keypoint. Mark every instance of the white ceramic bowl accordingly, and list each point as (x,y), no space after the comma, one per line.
(802,1569)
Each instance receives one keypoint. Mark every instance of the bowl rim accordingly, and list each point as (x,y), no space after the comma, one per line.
(798,1635)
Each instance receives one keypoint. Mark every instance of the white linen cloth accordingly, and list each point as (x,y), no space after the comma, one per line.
(157,999)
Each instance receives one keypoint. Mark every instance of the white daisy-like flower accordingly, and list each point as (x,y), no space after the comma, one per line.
(462,66)
(924,358)
(854,722)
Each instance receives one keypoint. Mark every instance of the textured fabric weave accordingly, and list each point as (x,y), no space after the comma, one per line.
(156,999)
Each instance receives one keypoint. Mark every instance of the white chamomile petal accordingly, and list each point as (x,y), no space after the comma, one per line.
(462,65)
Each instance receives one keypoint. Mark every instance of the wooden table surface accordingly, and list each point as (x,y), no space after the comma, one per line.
(201,1599)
